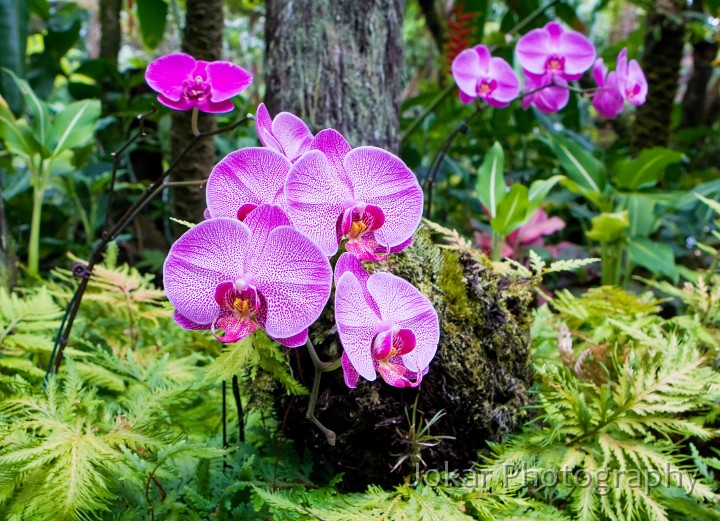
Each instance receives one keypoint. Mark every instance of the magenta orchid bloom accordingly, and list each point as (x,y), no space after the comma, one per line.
(245,179)
(608,100)
(631,80)
(366,195)
(287,134)
(385,325)
(529,235)
(479,75)
(235,276)
(544,95)
(183,83)
(555,51)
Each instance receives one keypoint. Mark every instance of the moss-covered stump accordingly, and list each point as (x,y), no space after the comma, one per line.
(479,377)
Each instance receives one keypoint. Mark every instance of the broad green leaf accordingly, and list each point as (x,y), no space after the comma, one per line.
(39,109)
(539,189)
(645,170)
(490,185)
(655,257)
(581,166)
(152,15)
(18,138)
(75,124)
(714,205)
(642,213)
(512,210)
(609,227)
(596,198)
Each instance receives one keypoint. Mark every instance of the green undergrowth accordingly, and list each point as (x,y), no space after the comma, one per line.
(623,418)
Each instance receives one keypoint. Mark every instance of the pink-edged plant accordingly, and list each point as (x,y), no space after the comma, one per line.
(224,274)
(527,236)
(385,324)
(365,195)
(184,83)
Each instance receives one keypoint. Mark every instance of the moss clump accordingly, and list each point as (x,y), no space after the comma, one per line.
(479,377)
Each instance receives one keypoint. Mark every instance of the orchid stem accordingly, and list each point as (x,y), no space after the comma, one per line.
(194,122)
(320,368)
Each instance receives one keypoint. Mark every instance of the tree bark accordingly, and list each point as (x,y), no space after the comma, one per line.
(337,63)
(202,39)
(695,106)
(664,41)
(110,31)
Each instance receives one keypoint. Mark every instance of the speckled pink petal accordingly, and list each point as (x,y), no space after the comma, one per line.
(167,74)
(533,49)
(263,128)
(227,80)
(245,210)
(467,70)
(211,252)
(253,175)
(335,147)
(382,345)
(357,324)
(233,329)
(294,278)
(396,374)
(294,341)
(262,221)
(292,134)
(186,323)
(382,179)
(402,304)
(316,199)
(404,341)
(349,373)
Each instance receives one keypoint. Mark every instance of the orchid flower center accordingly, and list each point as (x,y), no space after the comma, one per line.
(555,64)
(393,342)
(196,89)
(360,220)
(239,298)
(486,87)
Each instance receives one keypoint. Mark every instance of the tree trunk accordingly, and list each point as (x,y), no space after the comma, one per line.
(110,31)
(695,106)
(337,63)
(202,39)
(664,41)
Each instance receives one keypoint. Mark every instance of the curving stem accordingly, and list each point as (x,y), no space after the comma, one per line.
(320,368)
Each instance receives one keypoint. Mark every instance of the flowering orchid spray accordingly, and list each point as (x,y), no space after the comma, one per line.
(224,274)
(385,325)
(479,75)
(365,195)
(183,83)
(626,83)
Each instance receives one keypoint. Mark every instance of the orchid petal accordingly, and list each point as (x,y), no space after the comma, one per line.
(167,74)
(227,80)
(233,328)
(296,340)
(382,179)
(335,147)
(215,108)
(466,69)
(349,373)
(211,252)
(186,323)
(262,221)
(357,324)
(293,278)
(402,304)
(181,104)
(292,133)
(508,85)
(316,199)
(533,50)
(578,51)
(250,175)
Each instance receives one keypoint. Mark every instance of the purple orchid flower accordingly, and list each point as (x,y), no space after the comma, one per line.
(479,75)
(631,80)
(244,180)
(544,95)
(552,50)
(608,100)
(287,134)
(385,325)
(184,83)
(235,276)
(366,195)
